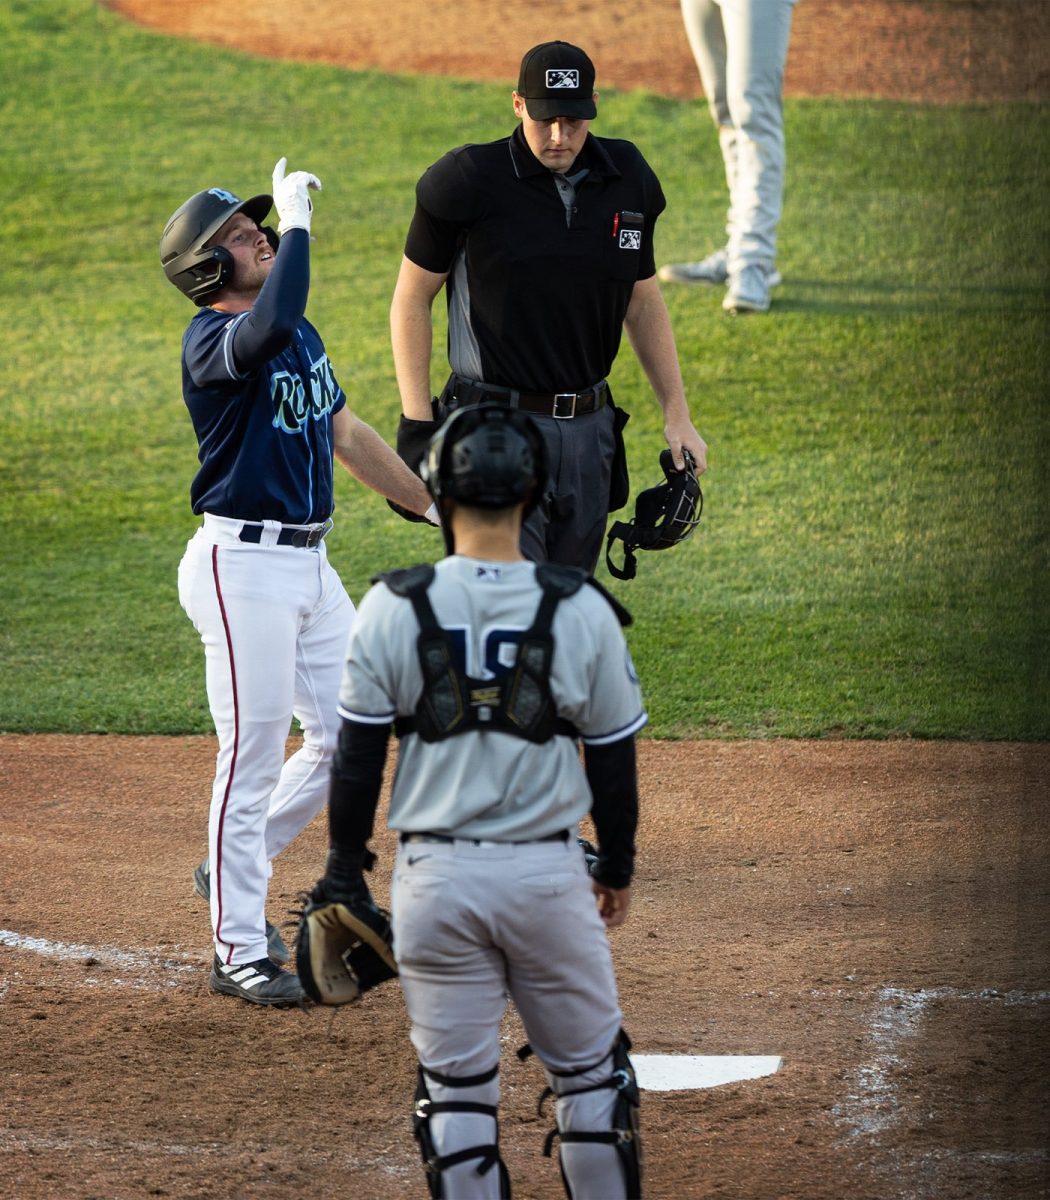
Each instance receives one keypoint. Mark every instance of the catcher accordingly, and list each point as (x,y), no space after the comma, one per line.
(490,669)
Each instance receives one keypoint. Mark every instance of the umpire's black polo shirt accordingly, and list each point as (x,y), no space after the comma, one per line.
(534,303)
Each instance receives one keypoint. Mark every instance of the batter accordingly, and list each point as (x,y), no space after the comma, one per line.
(255,580)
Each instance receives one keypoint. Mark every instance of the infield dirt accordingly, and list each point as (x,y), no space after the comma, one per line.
(874,913)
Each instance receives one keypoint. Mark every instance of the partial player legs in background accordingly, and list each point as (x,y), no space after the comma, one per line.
(740,47)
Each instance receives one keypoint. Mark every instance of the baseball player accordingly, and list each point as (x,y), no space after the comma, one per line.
(740,47)
(255,580)
(543,243)
(489,668)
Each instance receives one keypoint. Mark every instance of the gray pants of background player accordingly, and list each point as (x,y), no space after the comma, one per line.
(473,923)
(568,526)
(740,47)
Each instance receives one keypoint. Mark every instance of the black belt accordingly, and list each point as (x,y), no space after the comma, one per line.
(304,539)
(561,405)
(561,836)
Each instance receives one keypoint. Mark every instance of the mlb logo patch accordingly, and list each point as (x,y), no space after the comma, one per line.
(562,77)
(630,239)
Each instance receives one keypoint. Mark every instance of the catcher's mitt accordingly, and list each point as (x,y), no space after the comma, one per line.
(344,945)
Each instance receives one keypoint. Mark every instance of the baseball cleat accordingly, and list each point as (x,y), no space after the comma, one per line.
(259,982)
(275,946)
(748,290)
(711,270)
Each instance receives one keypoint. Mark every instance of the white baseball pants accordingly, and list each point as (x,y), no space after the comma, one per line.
(274,621)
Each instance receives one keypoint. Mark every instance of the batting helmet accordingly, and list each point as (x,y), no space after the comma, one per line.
(486,456)
(663,516)
(200,272)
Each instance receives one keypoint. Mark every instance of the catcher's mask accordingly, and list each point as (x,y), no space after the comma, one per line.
(663,516)
(486,456)
(197,271)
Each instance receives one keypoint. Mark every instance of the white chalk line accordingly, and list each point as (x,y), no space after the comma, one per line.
(898,1016)
(148,971)
(872,1107)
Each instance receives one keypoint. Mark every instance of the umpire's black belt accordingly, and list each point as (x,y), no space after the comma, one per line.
(304,539)
(561,405)
(561,836)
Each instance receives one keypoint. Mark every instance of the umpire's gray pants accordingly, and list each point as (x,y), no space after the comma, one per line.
(568,525)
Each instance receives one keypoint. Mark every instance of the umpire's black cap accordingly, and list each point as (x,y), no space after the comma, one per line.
(556,79)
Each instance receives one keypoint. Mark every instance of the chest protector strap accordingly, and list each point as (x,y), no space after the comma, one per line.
(454,702)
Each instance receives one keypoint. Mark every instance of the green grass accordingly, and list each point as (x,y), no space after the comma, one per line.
(873,557)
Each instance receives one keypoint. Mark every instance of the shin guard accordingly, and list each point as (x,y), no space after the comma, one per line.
(456,1124)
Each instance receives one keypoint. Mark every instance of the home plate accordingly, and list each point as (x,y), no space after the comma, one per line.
(676,1072)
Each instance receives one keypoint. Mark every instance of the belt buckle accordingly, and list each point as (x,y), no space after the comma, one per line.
(571,397)
(315,536)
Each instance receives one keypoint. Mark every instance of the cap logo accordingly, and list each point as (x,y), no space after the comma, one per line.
(562,77)
(226,197)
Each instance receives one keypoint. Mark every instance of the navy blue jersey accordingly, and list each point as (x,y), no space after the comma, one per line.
(263,419)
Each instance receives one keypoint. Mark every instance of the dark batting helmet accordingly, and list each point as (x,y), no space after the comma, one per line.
(486,456)
(663,516)
(200,272)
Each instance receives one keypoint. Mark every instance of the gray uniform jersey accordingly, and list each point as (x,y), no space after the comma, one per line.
(492,785)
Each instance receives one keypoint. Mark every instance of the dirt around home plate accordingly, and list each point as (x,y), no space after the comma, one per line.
(875,914)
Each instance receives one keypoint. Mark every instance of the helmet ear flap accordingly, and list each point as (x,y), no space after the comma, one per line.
(208,273)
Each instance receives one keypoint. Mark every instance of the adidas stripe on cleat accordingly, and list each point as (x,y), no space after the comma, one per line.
(259,982)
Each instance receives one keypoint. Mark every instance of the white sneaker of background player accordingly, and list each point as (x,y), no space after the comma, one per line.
(748,290)
(714,270)
(711,270)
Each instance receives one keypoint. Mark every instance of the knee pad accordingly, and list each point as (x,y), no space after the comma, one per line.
(596,1114)
(456,1123)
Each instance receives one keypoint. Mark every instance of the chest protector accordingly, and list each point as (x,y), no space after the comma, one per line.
(521,703)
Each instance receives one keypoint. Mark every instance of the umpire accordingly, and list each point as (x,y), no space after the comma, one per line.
(543,242)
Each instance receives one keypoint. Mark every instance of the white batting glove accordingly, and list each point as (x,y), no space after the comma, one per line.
(291,197)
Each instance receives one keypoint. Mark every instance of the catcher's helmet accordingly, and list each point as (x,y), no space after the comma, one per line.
(663,516)
(486,456)
(198,272)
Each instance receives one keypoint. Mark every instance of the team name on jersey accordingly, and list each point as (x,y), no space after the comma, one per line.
(294,402)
